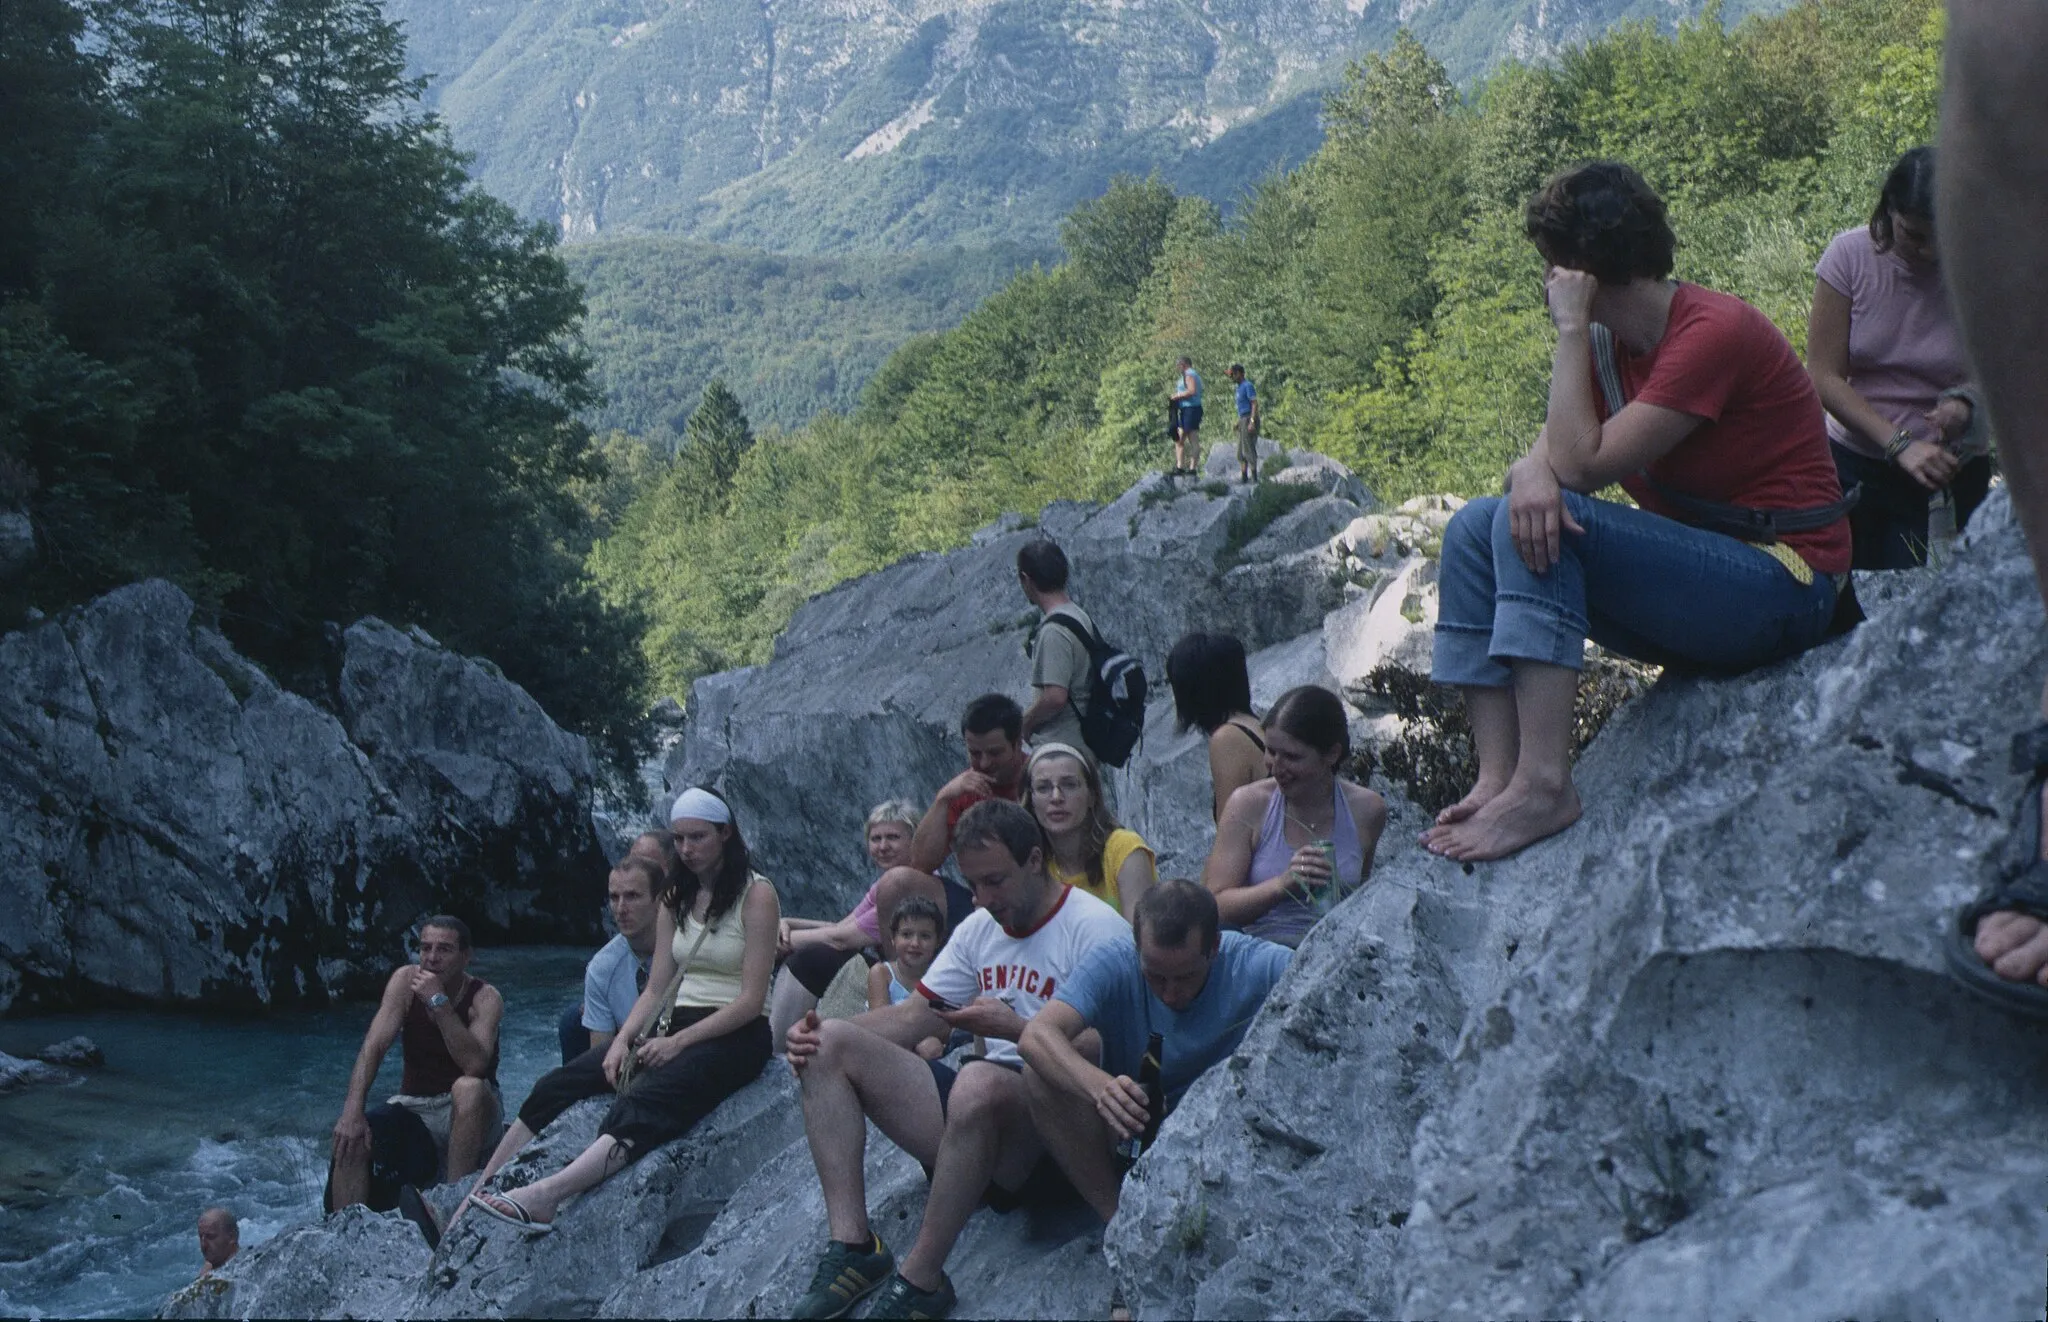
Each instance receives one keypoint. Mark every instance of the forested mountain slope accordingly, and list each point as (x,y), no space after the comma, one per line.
(818,125)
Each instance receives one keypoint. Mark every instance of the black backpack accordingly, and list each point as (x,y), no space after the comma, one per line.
(1115,720)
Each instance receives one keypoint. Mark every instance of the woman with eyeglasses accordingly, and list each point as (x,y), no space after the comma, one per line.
(1085,846)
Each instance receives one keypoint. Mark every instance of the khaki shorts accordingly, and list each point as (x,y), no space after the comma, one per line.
(434,1112)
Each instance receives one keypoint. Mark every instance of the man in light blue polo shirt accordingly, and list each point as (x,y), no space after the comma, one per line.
(1175,977)
(613,979)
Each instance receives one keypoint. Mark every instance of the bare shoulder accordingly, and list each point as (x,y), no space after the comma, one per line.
(1368,807)
(1251,800)
(762,902)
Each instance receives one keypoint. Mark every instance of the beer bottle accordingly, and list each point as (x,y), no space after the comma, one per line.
(1155,1101)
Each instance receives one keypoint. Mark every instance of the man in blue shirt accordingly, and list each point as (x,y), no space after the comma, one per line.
(1247,424)
(1176,978)
(617,973)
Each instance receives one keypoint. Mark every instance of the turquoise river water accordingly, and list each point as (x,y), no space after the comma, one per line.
(100,1180)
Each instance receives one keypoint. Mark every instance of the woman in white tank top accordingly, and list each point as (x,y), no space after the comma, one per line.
(717,926)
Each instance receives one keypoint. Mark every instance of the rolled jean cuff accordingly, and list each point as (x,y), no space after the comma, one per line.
(1459,656)
(1531,628)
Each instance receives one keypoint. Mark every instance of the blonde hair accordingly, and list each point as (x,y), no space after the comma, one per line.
(890,810)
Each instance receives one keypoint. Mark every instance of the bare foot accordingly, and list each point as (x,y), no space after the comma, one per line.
(1484,791)
(1514,819)
(2015,945)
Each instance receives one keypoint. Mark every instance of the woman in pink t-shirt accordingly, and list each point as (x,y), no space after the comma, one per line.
(1883,352)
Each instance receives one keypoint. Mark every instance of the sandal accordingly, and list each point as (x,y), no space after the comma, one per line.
(2020,886)
(488,1204)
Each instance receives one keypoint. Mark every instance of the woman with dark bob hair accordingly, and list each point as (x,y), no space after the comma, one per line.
(1883,351)
(1212,692)
(1696,404)
(1292,845)
(717,924)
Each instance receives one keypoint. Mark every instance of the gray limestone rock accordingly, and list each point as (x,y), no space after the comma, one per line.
(1695,1056)
(174,826)
(355,1264)
(757,1258)
(16,1073)
(17,543)
(655,1210)
(863,697)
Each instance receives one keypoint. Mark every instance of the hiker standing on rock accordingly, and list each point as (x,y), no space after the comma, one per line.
(1061,670)
(1247,425)
(1737,557)
(1186,403)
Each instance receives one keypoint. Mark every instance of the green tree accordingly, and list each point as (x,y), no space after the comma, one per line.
(1113,241)
(338,380)
(715,439)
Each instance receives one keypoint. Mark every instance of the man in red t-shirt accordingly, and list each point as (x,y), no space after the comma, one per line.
(993,727)
(1716,431)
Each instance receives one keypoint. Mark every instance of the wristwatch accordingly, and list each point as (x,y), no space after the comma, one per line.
(437,1000)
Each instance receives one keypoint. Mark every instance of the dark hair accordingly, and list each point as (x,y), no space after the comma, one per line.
(1183,361)
(991,712)
(647,870)
(1042,561)
(1209,679)
(1315,716)
(914,907)
(1601,217)
(1908,190)
(1000,822)
(448,922)
(1237,367)
(1172,909)
(735,867)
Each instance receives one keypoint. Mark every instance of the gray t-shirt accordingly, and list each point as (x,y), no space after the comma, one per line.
(1060,659)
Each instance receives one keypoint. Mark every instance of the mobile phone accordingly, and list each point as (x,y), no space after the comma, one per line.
(939,1003)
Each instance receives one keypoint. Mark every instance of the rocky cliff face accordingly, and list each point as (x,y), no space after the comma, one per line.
(1695,1057)
(804,126)
(176,827)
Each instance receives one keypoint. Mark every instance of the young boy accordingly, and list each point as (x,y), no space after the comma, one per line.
(917,931)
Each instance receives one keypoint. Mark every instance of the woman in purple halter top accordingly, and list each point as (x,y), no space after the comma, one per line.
(1266,870)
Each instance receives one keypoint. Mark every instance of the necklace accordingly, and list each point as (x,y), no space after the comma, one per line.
(1316,832)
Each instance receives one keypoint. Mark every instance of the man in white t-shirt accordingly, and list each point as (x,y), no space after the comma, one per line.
(999,969)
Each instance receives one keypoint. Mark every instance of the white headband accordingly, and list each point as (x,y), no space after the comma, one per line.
(1039,752)
(701,806)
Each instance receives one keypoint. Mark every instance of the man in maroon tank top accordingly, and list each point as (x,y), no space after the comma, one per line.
(447,1105)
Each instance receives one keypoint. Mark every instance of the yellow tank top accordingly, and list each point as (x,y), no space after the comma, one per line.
(1116,851)
(713,977)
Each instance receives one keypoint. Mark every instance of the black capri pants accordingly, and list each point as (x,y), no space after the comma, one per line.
(665,1100)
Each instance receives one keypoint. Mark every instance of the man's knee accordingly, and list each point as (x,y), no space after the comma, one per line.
(1471,528)
(988,1095)
(469,1096)
(898,884)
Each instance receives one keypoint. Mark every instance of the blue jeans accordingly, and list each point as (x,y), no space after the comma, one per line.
(1636,583)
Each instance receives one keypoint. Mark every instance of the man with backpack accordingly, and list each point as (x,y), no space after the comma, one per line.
(1086,693)
(1062,672)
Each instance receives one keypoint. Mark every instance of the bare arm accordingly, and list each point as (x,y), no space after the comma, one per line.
(1584,453)
(377,1040)
(1133,879)
(661,967)
(933,839)
(1048,1048)
(1050,702)
(1230,859)
(1827,362)
(1369,816)
(879,978)
(906,1023)
(842,935)
(473,1045)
